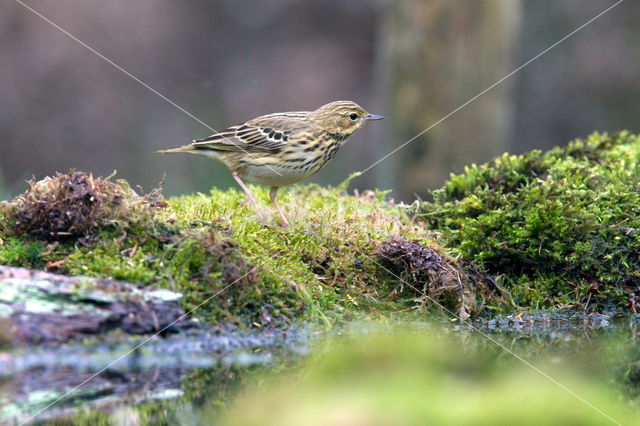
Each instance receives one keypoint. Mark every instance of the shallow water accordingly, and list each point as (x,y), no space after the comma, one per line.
(199,366)
(53,381)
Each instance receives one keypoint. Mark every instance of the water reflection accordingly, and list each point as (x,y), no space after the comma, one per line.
(182,373)
(34,377)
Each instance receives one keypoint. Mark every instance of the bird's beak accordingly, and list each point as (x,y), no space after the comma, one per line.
(373,117)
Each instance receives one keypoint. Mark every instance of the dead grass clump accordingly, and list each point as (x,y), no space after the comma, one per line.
(222,253)
(429,276)
(74,204)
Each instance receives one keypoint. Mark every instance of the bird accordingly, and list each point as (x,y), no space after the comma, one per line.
(282,148)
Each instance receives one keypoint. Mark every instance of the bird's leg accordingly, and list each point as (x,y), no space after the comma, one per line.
(249,194)
(272,193)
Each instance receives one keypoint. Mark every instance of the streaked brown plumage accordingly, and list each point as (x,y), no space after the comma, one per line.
(282,148)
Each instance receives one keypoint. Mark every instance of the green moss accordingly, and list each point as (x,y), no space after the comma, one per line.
(229,265)
(316,268)
(15,251)
(560,228)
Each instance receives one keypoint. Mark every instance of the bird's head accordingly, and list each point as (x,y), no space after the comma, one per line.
(343,117)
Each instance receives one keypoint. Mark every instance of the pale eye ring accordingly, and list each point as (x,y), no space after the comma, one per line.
(353,116)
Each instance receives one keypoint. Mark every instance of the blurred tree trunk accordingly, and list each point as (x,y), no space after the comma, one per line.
(439,54)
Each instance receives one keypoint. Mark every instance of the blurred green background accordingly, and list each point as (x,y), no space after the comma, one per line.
(226,61)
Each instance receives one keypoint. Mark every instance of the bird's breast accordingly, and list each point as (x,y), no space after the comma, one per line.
(292,164)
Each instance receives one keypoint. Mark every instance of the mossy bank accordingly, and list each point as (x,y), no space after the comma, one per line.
(541,230)
(560,228)
(344,256)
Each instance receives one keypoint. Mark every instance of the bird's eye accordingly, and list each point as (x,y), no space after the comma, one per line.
(353,116)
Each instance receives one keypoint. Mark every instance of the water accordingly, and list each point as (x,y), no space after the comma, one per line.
(196,367)
(53,381)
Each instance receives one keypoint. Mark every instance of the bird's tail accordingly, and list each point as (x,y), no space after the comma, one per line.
(186,149)
(192,149)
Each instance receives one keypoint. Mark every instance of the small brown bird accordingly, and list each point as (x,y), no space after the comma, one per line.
(282,148)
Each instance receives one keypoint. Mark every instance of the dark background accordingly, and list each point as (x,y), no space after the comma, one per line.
(227,61)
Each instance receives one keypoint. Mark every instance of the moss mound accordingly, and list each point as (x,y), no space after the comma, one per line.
(228,264)
(74,204)
(560,227)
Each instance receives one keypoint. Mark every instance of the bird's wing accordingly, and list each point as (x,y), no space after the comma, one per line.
(269,133)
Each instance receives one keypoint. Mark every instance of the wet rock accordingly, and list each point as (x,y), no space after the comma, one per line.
(41,307)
